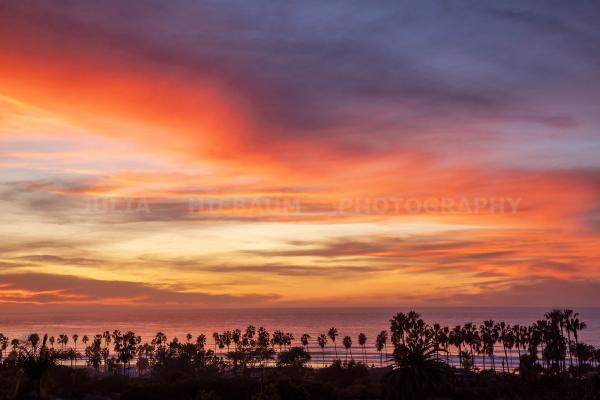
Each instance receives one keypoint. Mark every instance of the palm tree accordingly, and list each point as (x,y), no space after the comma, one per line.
(85,340)
(417,374)
(322,340)
(362,341)
(567,315)
(456,338)
(201,341)
(34,364)
(287,340)
(125,346)
(489,337)
(3,344)
(216,339)
(347,341)
(107,338)
(437,339)
(278,339)
(75,338)
(503,332)
(236,337)
(555,343)
(304,340)
(333,334)
(52,340)
(33,339)
(470,339)
(576,326)
(398,325)
(383,338)
(188,337)
(379,344)
(63,340)
(227,336)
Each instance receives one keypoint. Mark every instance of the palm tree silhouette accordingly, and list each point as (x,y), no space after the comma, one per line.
(216,339)
(567,315)
(227,337)
(333,334)
(456,338)
(107,338)
(63,340)
(75,338)
(347,341)
(201,341)
(379,346)
(304,340)
(33,339)
(503,337)
(576,326)
(322,340)
(3,345)
(362,341)
(487,340)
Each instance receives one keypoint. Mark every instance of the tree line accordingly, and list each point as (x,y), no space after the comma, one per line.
(552,344)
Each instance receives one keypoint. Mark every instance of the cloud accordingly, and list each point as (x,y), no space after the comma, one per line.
(53,259)
(38,288)
(534,293)
(296,74)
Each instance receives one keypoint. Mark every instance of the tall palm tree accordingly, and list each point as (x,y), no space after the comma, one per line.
(457,339)
(33,339)
(236,338)
(304,340)
(188,337)
(3,344)
(489,337)
(398,326)
(362,341)
(576,326)
(216,338)
(75,338)
(437,339)
(503,333)
(333,334)
(52,340)
(347,341)
(471,340)
(107,338)
(85,340)
(322,340)
(379,344)
(63,340)
(567,315)
(227,337)
(201,341)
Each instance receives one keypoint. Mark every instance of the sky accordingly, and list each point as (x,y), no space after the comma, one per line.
(218,154)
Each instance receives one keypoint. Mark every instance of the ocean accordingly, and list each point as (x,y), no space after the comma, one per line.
(348,321)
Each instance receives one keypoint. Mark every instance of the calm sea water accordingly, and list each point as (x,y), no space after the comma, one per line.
(297,321)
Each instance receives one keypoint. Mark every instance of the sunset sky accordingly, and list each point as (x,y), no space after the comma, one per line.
(314,153)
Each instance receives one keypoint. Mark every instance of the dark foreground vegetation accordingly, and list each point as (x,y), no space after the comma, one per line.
(552,363)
